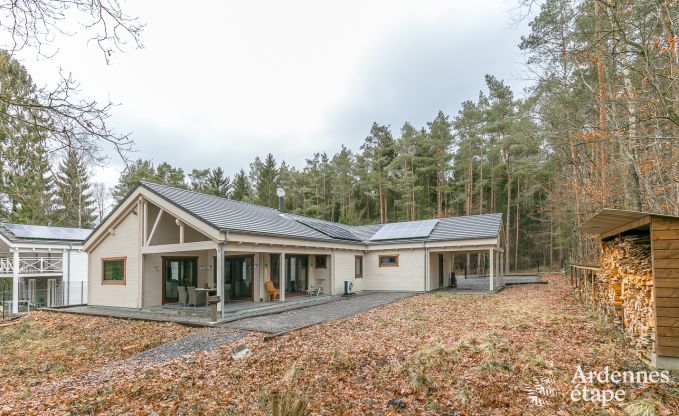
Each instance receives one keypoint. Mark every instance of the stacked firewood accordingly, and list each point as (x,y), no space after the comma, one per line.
(626,268)
(610,290)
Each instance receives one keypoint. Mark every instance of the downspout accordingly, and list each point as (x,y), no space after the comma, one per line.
(68,275)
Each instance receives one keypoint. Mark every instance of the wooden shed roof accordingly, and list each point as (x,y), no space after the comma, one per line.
(610,220)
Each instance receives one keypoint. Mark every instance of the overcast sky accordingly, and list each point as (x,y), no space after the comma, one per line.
(221,82)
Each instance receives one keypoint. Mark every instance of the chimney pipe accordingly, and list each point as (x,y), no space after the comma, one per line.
(281,196)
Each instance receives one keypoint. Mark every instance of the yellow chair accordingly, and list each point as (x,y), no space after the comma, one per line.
(272,291)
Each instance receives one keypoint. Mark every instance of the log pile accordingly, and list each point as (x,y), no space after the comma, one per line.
(628,275)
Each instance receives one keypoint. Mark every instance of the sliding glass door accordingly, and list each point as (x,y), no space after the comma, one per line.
(296,272)
(180,271)
(238,277)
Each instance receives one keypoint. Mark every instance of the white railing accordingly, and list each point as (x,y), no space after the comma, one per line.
(6,265)
(32,265)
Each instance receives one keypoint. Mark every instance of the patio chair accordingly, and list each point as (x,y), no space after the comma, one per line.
(313,290)
(201,298)
(193,296)
(272,291)
(181,295)
(227,292)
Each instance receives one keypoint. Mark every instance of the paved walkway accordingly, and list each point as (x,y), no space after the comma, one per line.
(234,311)
(312,315)
(481,285)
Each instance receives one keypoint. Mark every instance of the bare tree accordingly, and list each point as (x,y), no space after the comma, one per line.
(58,112)
(101,199)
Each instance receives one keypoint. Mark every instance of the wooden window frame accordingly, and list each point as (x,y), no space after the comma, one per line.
(356,275)
(325,261)
(114,282)
(381,256)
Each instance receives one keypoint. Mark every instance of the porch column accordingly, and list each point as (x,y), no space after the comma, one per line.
(502,265)
(281,277)
(492,269)
(219,269)
(332,273)
(15,282)
(66,277)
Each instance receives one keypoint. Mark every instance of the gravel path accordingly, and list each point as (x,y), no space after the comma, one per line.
(206,340)
(300,318)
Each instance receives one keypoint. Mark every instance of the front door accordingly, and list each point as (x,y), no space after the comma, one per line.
(51,292)
(178,271)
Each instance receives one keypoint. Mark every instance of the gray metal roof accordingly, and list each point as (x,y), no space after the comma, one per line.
(227,214)
(467,227)
(43,234)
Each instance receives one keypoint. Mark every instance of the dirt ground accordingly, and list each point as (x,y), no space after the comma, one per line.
(45,346)
(514,353)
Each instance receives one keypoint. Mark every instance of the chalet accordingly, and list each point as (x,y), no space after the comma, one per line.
(161,241)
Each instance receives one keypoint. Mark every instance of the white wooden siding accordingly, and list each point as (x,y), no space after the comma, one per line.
(408,276)
(124,243)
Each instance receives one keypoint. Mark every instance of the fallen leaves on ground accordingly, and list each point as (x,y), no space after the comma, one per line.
(46,346)
(431,354)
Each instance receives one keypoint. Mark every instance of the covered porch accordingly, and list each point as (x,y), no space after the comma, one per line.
(184,261)
(479,269)
(177,278)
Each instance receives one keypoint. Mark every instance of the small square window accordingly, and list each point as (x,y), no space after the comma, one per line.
(113,271)
(321,262)
(388,261)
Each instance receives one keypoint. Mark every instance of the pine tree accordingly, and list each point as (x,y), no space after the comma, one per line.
(28,182)
(217,183)
(343,185)
(25,178)
(440,140)
(143,170)
(406,183)
(378,151)
(242,191)
(74,197)
(264,176)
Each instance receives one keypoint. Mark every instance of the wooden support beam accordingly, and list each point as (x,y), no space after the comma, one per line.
(155,225)
(180,224)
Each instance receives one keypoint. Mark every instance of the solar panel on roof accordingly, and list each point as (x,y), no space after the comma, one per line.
(405,230)
(48,233)
(332,230)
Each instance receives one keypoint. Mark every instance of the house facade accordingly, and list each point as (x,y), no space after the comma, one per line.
(160,238)
(42,266)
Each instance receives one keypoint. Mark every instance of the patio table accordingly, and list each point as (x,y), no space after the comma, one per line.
(211,291)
